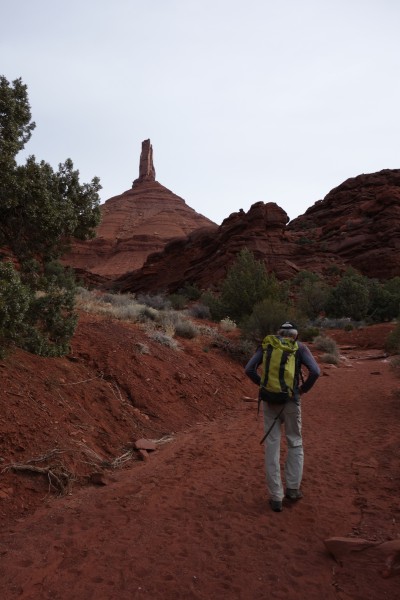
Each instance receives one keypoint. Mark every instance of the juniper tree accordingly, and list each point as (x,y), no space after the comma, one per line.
(246,283)
(41,211)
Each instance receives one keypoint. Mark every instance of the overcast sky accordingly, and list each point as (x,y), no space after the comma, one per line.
(242,100)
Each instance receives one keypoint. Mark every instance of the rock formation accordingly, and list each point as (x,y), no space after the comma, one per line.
(150,240)
(357,224)
(205,255)
(133,225)
(147,171)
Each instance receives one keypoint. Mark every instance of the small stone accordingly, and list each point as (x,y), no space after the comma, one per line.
(144,444)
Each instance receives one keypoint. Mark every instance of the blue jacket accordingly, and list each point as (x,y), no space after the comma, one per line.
(305,358)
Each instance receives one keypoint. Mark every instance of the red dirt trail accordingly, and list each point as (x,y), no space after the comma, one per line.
(192,521)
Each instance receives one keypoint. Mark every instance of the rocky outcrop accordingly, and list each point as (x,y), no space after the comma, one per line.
(205,255)
(134,224)
(150,240)
(147,171)
(359,222)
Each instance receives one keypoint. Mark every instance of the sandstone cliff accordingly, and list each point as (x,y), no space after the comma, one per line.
(357,224)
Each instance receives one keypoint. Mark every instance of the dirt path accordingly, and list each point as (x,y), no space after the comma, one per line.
(193,522)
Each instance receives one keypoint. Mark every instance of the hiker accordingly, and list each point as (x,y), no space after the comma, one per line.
(288,412)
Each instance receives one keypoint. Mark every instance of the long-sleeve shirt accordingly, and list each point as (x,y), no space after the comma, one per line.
(305,358)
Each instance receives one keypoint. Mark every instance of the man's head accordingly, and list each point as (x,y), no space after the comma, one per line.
(288,329)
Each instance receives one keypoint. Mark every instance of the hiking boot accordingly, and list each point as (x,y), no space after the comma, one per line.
(276,505)
(293,494)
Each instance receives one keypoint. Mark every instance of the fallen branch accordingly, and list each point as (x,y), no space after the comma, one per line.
(59,481)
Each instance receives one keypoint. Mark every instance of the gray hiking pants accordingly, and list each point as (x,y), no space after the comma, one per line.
(291,420)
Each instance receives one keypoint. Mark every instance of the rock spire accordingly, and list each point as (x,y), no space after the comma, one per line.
(146,166)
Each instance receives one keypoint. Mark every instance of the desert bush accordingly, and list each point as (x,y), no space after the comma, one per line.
(208,331)
(308,334)
(227,324)
(157,301)
(239,350)
(130,312)
(326,344)
(147,313)
(200,311)
(164,339)
(392,343)
(177,301)
(142,348)
(186,329)
(190,291)
(118,299)
(343,323)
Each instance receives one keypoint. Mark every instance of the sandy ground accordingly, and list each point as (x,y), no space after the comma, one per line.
(192,520)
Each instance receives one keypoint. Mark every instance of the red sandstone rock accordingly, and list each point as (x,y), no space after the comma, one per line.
(150,240)
(357,552)
(144,444)
(134,224)
(359,222)
(205,255)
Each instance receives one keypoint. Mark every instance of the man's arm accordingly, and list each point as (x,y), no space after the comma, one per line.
(252,366)
(307,359)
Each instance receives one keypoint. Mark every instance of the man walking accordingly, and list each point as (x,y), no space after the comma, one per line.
(288,413)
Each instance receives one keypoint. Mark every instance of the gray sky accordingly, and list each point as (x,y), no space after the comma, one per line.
(243,100)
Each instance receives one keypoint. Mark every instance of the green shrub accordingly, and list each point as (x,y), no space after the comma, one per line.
(350,298)
(246,283)
(392,343)
(266,318)
(41,212)
(177,301)
(15,299)
(190,291)
(214,305)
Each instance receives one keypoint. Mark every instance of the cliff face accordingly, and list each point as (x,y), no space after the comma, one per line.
(359,222)
(135,224)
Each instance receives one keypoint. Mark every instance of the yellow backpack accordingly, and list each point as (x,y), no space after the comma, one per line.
(280,369)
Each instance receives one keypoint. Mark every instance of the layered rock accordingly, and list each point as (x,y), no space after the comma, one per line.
(205,255)
(133,225)
(150,240)
(359,222)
